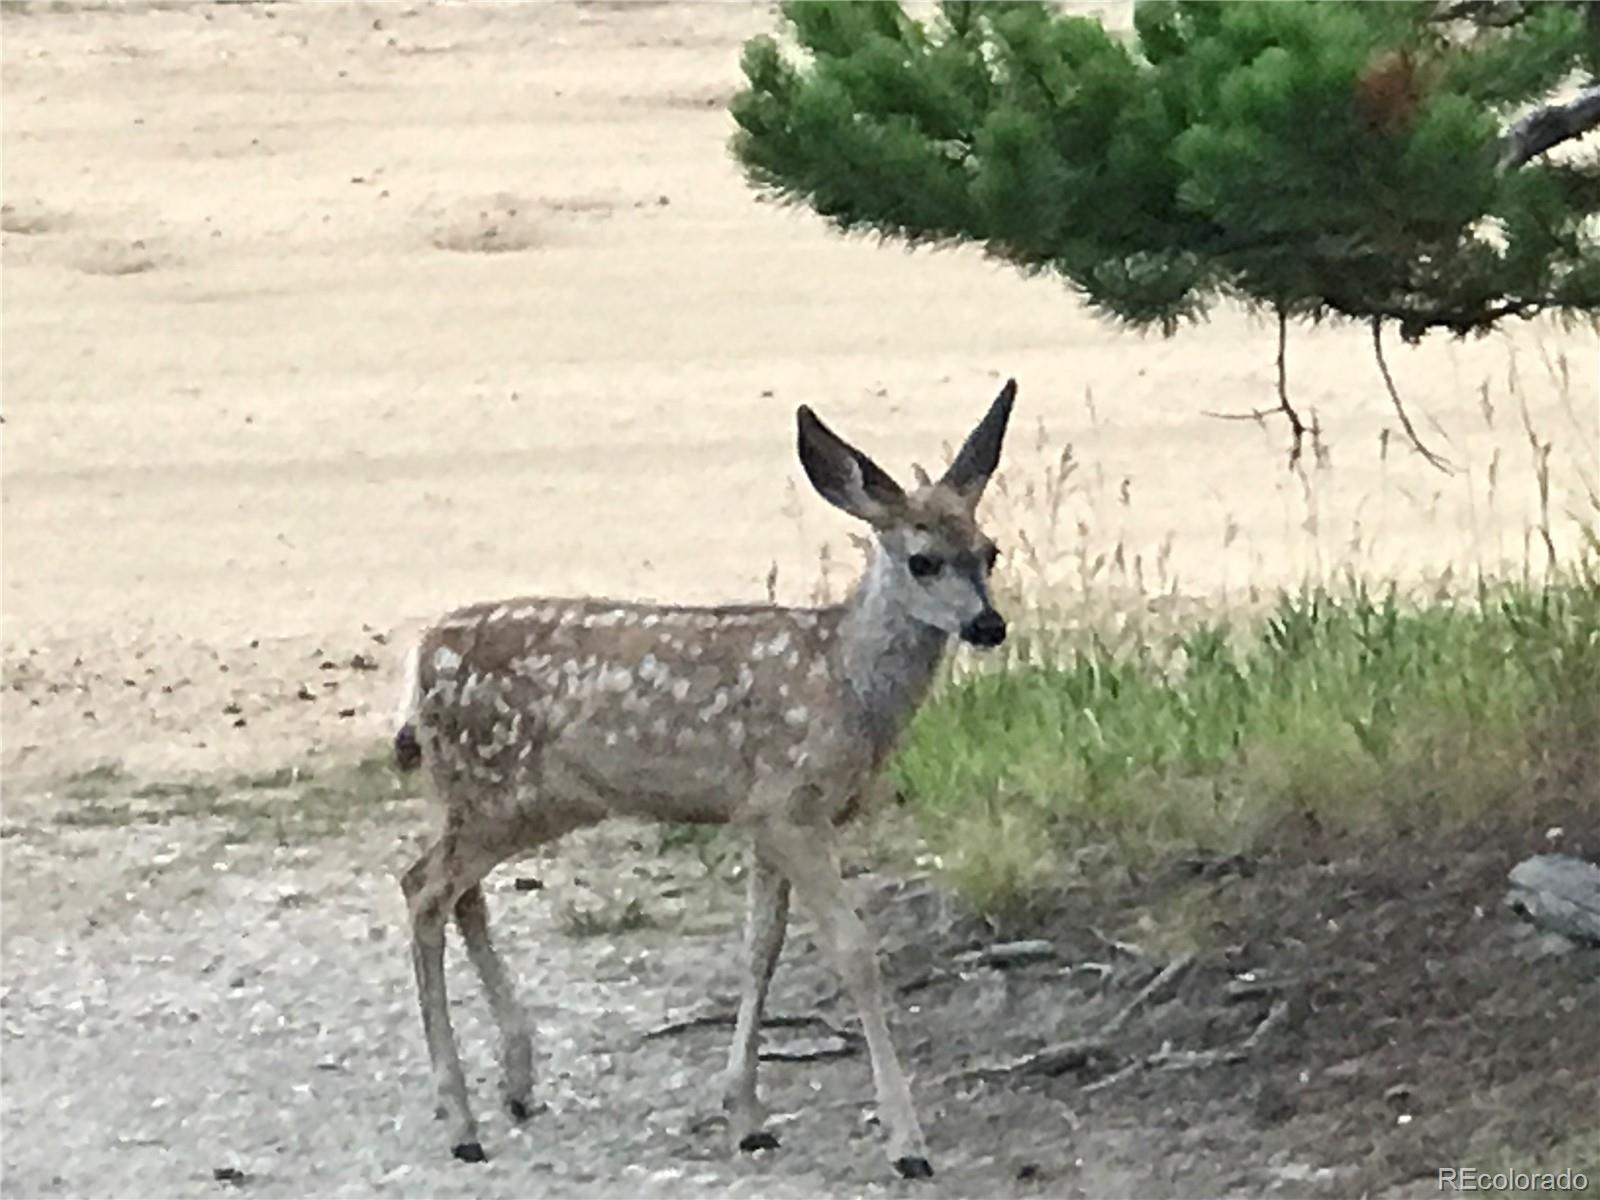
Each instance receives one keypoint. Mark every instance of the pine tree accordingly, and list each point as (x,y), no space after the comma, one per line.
(1310,158)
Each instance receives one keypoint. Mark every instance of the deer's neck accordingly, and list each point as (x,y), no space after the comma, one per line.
(888,658)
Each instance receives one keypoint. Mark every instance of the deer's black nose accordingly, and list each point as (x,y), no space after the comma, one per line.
(988,628)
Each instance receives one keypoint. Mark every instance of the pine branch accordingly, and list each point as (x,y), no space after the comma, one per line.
(1547,127)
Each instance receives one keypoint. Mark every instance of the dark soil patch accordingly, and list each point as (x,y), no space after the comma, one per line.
(1423,1024)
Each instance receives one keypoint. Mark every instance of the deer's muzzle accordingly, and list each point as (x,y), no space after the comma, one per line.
(988,628)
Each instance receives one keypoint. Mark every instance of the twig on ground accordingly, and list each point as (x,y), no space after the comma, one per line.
(1002,955)
(927,979)
(1164,979)
(1061,1057)
(1055,1059)
(1131,949)
(727,1020)
(1190,1060)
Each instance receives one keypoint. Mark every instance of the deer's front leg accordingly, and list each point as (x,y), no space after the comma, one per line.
(804,854)
(765,923)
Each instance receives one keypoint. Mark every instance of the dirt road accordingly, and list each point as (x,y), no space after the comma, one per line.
(319,318)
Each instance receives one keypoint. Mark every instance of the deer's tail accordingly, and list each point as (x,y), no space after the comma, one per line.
(407,750)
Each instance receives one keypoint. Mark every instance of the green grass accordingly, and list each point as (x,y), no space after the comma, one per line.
(1577,1155)
(1356,710)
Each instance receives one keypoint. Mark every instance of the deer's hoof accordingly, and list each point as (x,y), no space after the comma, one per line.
(759,1140)
(913,1166)
(469,1152)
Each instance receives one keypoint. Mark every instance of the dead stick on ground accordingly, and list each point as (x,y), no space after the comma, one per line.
(1060,1057)
(1164,979)
(1068,1056)
(727,1020)
(1190,1060)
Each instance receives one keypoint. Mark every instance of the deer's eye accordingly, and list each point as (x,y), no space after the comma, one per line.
(924,566)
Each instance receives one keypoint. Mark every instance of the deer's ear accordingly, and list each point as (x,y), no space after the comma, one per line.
(980,453)
(845,477)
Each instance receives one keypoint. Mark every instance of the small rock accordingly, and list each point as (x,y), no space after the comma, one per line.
(1273,1105)
(1398,1095)
(1558,893)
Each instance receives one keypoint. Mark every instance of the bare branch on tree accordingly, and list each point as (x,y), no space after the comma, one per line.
(1296,425)
(1399,408)
(1549,126)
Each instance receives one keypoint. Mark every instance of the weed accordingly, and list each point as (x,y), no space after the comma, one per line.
(604,918)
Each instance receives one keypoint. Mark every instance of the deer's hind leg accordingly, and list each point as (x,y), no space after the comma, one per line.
(432,886)
(516,1043)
